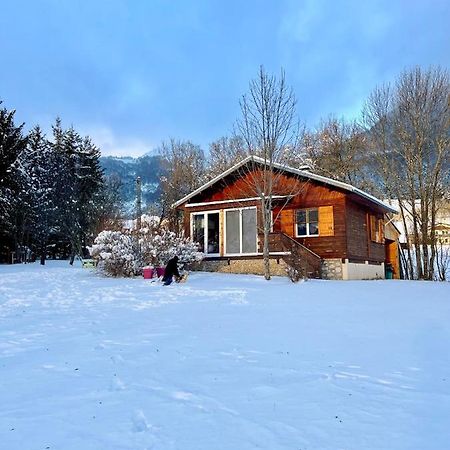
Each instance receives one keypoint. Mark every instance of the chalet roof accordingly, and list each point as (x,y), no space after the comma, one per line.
(300,172)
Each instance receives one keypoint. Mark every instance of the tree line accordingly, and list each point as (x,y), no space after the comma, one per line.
(53,195)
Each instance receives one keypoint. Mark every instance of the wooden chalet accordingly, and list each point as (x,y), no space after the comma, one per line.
(331,229)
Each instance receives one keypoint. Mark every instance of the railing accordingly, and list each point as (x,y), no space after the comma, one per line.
(295,254)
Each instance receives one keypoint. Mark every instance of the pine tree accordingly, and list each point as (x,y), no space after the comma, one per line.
(79,186)
(12,144)
(43,173)
(89,177)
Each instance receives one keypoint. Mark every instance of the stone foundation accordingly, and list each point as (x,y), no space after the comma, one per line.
(332,269)
(243,266)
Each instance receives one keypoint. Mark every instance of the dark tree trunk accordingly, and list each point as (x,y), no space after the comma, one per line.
(43,254)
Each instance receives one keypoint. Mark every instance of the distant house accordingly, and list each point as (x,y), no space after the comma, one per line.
(442,233)
(441,228)
(335,229)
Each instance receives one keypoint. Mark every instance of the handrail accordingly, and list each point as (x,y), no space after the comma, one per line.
(300,245)
(296,252)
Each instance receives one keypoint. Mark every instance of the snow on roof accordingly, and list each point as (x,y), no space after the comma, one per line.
(301,172)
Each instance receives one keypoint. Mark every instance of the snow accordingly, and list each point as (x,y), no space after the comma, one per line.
(221,362)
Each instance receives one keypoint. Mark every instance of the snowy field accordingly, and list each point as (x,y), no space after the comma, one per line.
(221,362)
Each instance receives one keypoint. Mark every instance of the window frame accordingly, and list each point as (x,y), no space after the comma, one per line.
(240,231)
(307,223)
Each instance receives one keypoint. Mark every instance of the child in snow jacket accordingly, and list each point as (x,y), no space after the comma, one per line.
(171,271)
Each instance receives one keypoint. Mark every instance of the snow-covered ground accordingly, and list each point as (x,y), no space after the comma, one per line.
(221,362)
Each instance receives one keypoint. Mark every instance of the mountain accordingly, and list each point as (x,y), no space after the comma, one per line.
(127,168)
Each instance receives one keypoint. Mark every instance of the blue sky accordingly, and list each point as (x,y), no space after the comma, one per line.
(134,73)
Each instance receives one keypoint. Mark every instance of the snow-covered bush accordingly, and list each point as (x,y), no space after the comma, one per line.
(117,254)
(158,247)
(124,254)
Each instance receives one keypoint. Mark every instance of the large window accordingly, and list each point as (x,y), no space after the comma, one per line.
(205,231)
(240,231)
(307,222)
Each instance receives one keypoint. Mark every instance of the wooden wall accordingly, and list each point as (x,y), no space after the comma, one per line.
(359,244)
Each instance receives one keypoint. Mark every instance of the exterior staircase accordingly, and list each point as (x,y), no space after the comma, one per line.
(296,255)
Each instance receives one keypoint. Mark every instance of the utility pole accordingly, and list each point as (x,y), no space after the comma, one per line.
(138,203)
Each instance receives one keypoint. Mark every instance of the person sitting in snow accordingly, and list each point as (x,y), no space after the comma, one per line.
(171,271)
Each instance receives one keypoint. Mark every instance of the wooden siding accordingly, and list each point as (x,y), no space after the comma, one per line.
(359,243)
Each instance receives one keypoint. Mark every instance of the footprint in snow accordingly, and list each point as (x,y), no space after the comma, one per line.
(117,384)
(117,359)
(181,395)
(139,420)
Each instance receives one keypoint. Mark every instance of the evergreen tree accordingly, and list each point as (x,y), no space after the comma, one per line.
(12,144)
(79,186)
(43,173)
(89,183)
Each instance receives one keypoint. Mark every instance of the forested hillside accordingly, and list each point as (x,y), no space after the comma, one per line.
(127,169)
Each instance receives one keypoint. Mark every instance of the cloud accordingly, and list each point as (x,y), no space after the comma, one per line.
(111,144)
(298,22)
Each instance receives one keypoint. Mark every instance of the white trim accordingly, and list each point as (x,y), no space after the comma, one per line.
(205,234)
(302,173)
(237,200)
(240,232)
(232,255)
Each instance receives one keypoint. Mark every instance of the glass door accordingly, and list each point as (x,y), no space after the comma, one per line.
(206,232)
(240,231)
(212,236)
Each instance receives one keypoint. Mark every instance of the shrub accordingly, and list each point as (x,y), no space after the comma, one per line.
(117,254)
(124,254)
(158,248)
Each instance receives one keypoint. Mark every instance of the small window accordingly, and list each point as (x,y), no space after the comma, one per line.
(376,229)
(307,222)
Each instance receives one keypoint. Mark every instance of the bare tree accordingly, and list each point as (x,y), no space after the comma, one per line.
(337,149)
(270,130)
(184,171)
(225,153)
(442,261)
(408,124)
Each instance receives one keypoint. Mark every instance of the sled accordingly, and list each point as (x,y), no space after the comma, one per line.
(183,278)
(88,263)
